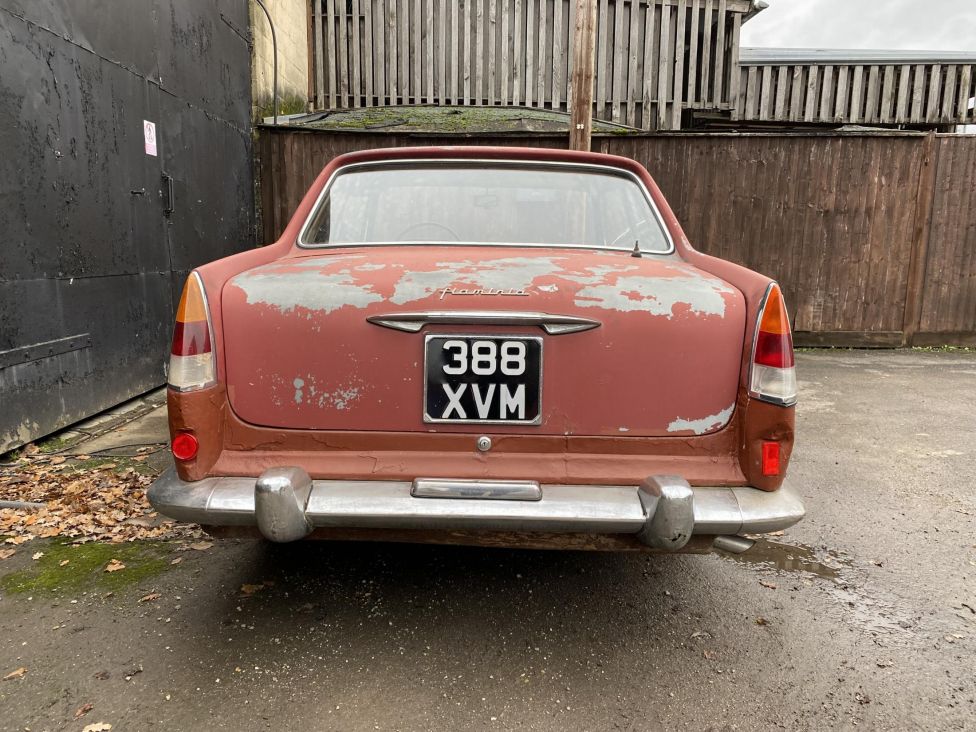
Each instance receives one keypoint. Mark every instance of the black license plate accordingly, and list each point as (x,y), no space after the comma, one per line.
(483,379)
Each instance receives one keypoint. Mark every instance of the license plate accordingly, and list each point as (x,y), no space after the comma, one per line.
(483,379)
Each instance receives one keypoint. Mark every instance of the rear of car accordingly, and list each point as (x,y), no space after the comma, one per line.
(488,346)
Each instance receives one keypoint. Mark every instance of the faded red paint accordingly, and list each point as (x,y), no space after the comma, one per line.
(379,434)
(322,366)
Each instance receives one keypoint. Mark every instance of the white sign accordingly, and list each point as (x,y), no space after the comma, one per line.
(149,132)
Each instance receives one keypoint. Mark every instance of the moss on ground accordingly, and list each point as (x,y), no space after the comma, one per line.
(287,104)
(85,567)
(119,465)
(944,349)
(453,119)
(57,444)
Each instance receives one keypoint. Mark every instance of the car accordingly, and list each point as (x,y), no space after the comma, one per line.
(487,346)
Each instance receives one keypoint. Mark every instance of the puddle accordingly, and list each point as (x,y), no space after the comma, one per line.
(876,617)
(791,558)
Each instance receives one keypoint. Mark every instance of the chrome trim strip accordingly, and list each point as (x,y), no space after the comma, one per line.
(390,505)
(607,169)
(465,488)
(551,324)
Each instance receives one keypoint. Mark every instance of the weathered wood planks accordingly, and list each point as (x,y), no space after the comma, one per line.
(520,52)
(864,94)
(872,236)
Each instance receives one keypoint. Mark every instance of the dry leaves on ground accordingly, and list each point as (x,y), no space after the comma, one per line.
(114,565)
(15,674)
(83,710)
(97,727)
(85,505)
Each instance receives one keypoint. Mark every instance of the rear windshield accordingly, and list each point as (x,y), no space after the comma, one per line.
(485,203)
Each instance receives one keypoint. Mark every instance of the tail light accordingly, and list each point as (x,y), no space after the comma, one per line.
(184,446)
(773,374)
(191,363)
(770,458)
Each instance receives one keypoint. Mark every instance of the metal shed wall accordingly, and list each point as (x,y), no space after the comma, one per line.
(92,262)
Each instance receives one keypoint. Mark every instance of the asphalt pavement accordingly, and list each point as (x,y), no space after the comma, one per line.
(863,616)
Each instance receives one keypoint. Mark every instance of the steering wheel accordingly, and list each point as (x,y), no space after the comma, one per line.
(420,224)
(632,229)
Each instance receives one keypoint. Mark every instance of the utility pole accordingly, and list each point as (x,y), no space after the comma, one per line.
(584,41)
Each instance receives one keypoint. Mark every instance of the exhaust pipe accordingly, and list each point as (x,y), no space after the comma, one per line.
(733,544)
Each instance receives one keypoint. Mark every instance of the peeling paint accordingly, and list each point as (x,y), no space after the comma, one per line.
(599,273)
(309,289)
(703,425)
(658,295)
(298,384)
(510,273)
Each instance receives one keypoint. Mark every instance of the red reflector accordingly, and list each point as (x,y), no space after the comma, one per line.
(191,339)
(770,458)
(185,446)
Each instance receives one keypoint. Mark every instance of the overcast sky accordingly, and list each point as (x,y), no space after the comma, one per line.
(927,25)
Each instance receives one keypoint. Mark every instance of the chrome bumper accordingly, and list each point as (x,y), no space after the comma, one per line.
(286,505)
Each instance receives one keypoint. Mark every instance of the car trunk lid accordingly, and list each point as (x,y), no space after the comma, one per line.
(338,339)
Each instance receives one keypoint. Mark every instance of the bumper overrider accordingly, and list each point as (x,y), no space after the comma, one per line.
(663,512)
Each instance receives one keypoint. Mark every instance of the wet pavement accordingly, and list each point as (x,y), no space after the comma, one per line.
(860,617)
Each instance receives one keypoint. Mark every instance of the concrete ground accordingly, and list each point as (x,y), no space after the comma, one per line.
(863,615)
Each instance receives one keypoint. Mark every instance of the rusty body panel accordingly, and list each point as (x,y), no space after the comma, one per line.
(356,414)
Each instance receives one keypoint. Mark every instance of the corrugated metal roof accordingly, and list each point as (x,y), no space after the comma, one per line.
(834,56)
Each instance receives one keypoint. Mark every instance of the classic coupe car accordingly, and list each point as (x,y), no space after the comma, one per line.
(491,346)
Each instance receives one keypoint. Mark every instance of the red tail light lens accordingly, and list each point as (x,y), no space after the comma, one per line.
(185,446)
(770,458)
(773,375)
(191,363)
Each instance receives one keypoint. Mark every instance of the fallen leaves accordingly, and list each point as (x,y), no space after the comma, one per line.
(762,621)
(114,565)
(83,710)
(251,589)
(201,546)
(37,555)
(7,553)
(768,585)
(97,727)
(19,673)
(64,562)
(97,503)
(150,597)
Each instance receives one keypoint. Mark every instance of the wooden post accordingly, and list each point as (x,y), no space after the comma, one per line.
(584,40)
(920,240)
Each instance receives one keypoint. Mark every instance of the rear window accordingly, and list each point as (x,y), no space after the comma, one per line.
(485,203)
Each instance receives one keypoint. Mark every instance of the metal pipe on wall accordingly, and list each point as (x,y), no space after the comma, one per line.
(274,63)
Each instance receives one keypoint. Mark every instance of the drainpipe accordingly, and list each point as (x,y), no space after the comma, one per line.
(274,51)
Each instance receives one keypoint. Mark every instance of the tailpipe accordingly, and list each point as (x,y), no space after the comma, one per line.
(733,544)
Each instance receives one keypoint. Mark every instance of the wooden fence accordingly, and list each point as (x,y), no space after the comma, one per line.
(368,53)
(873,236)
(856,93)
